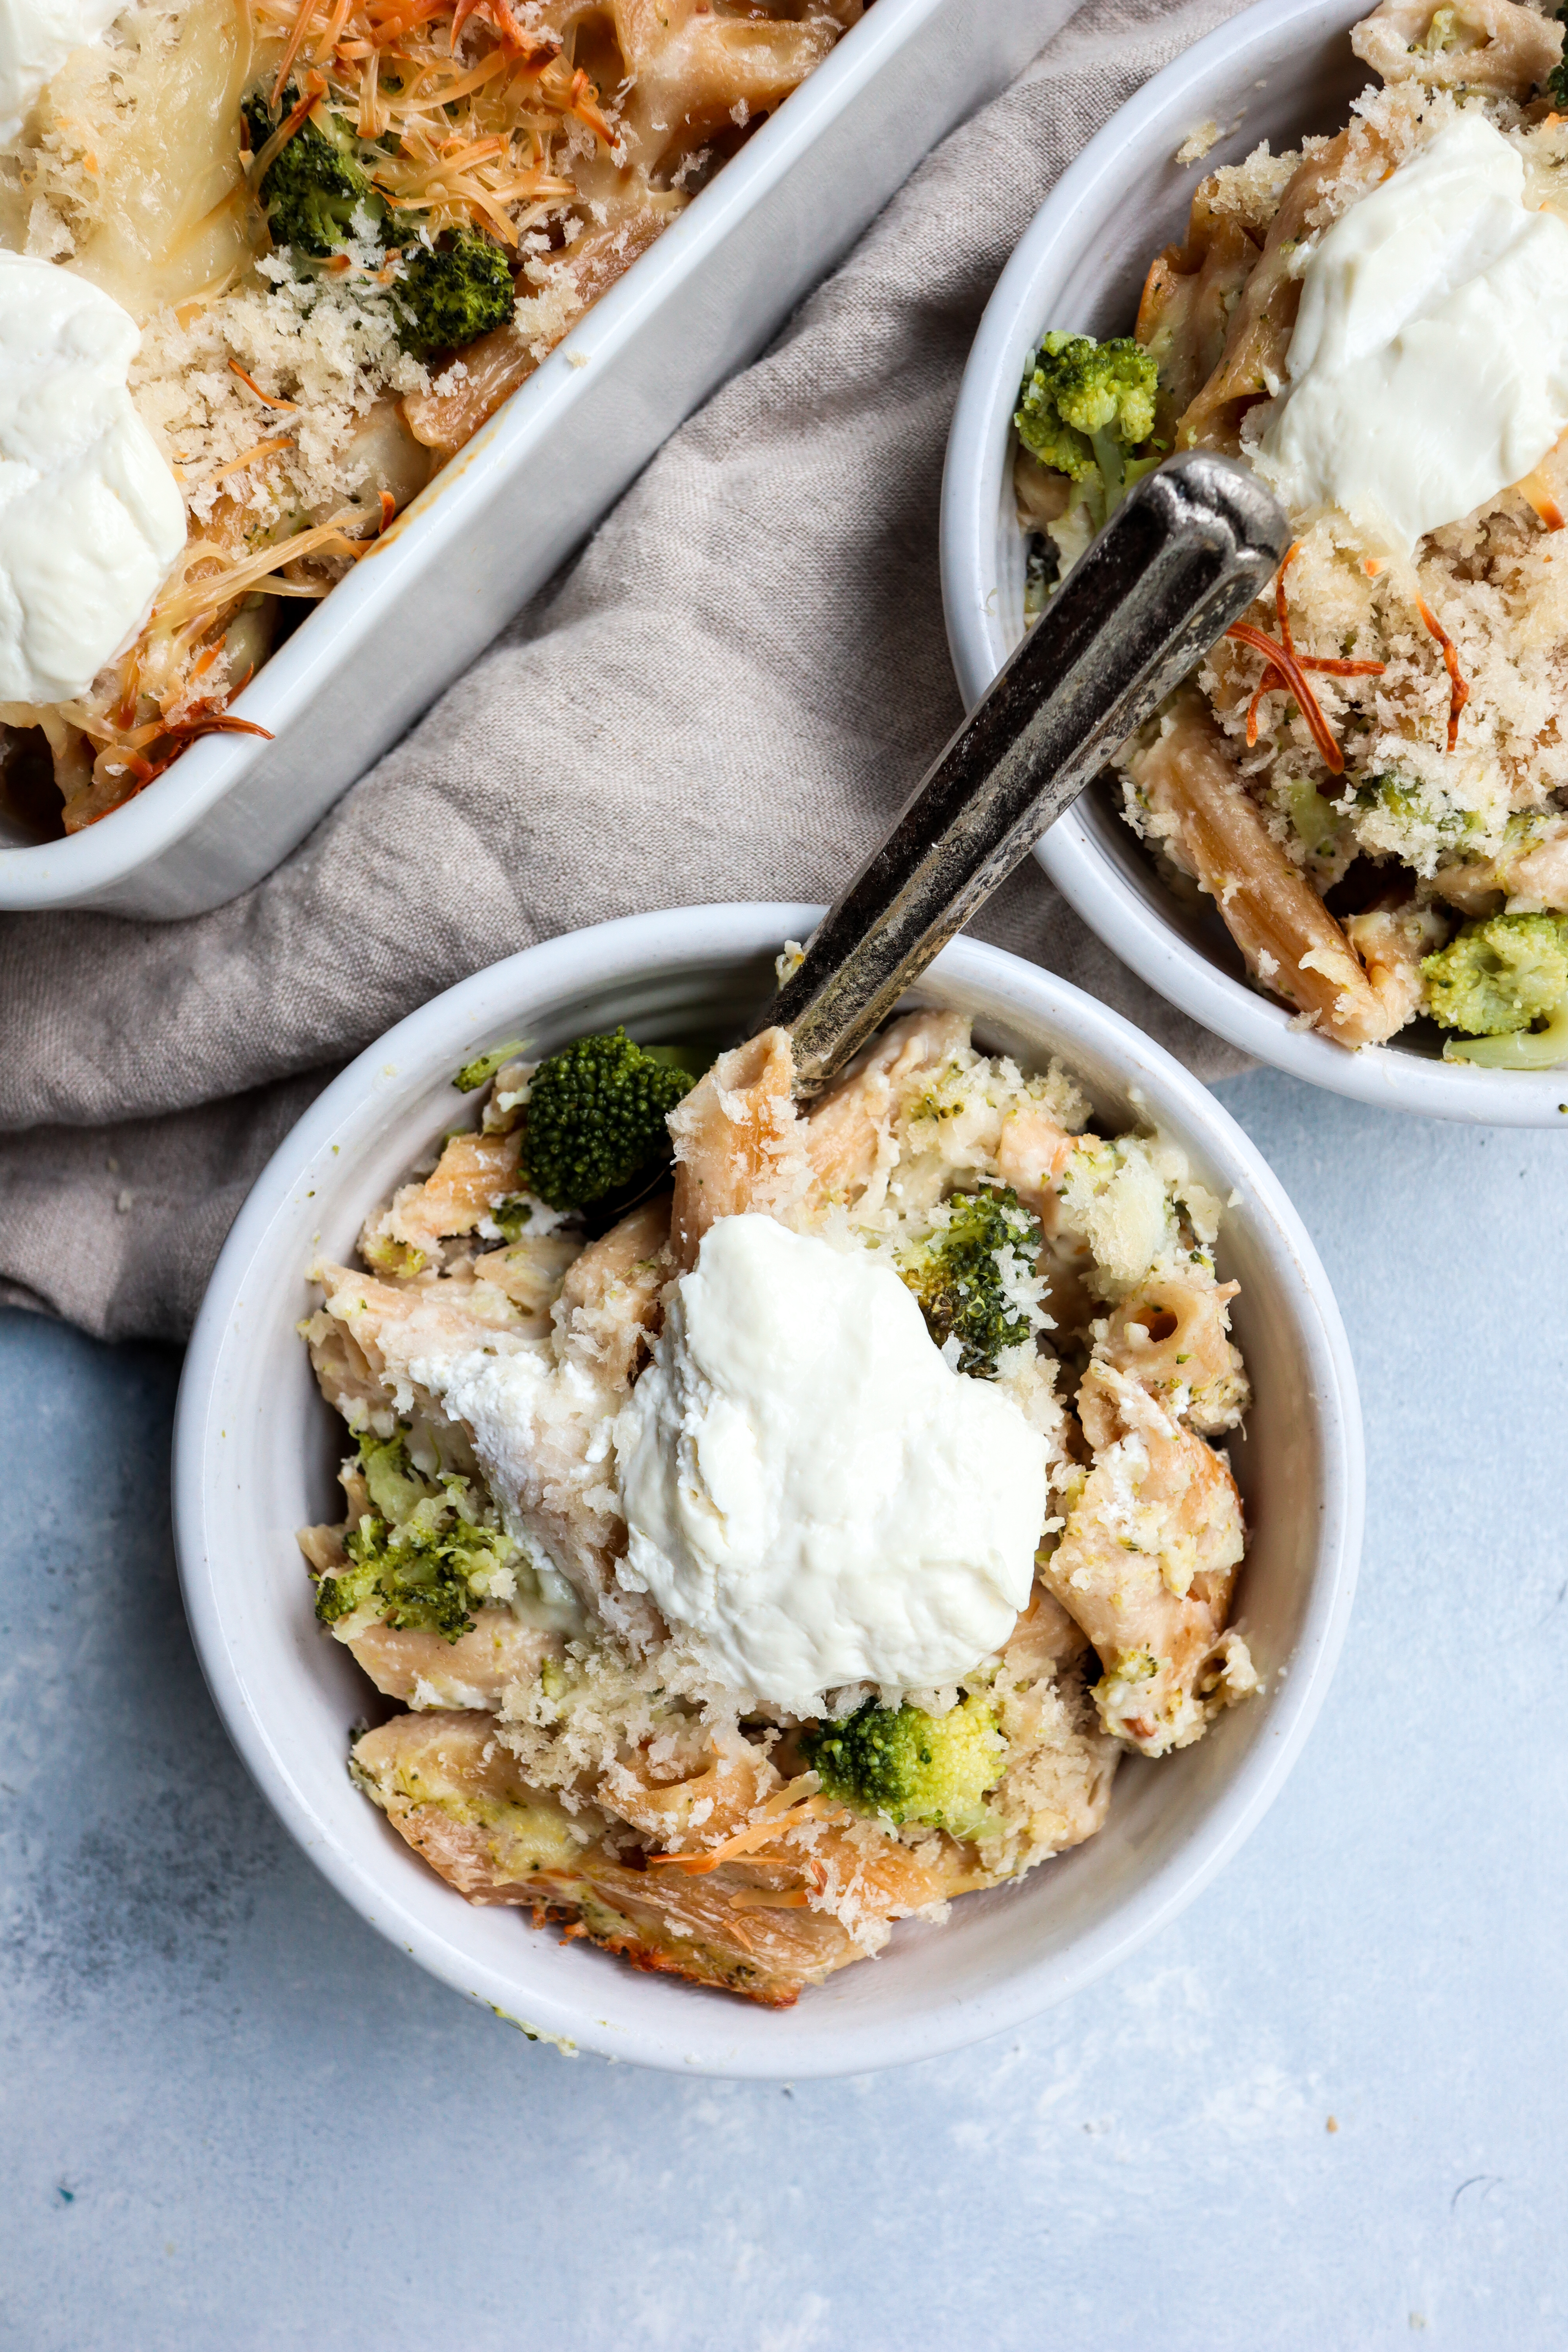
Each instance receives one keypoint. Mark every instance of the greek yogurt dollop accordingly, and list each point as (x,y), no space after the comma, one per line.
(36,36)
(814,1496)
(90,515)
(1428,368)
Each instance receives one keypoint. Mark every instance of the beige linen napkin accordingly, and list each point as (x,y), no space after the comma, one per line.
(728,696)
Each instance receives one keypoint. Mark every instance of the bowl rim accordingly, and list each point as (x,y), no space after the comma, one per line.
(40,876)
(700,2041)
(1159,116)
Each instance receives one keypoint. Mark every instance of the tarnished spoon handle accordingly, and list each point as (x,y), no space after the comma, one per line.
(1181,559)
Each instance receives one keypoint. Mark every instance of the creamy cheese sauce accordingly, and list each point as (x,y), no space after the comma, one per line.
(814,1498)
(90,516)
(1429,364)
(36,36)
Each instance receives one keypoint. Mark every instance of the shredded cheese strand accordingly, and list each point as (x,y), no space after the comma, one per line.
(1458,685)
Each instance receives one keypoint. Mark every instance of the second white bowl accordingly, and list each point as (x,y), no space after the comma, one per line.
(255,1449)
(1278,70)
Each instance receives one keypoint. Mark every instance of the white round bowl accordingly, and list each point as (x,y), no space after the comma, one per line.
(1277,71)
(255,1450)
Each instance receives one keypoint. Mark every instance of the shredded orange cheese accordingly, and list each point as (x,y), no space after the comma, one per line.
(250,383)
(756,1833)
(1285,670)
(1458,686)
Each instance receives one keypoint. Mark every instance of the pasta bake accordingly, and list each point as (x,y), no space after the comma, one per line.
(751,1562)
(1368,776)
(311,246)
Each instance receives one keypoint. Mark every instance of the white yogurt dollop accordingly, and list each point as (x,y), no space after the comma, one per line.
(814,1496)
(90,516)
(36,36)
(1429,364)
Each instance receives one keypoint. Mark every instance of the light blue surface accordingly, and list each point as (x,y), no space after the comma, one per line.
(231,2116)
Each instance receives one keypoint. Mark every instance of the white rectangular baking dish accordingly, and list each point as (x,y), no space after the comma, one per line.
(500,517)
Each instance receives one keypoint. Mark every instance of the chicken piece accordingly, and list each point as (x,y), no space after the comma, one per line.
(1147,1563)
(1532,881)
(739,1143)
(1477,44)
(394,1325)
(425,1670)
(848,1139)
(551,1485)
(1171,1335)
(690,69)
(701,1806)
(1198,812)
(530,1272)
(1045,1641)
(1032,1150)
(473,1175)
(1264,316)
(1056,1791)
(346,1377)
(1189,297)
(450,1786)
(609,1307)
(1391,937)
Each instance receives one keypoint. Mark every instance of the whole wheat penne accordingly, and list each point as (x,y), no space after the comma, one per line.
(1199,812)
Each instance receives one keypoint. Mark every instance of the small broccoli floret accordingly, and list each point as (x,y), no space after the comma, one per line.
(483,1068)
(1086,408)
(452,293)
(967,1272)
(1557,79)
(315,183)
(1501,975)
(416,1560)
(596,1115)
(910,1766)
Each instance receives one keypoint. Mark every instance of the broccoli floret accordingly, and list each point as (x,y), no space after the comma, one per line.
(483,1068)
(415,1559)
(1409,802)
(314,186)
(910,1766)
(596,1115)
(396,1487)
(966,1274)
(1557,79)
(512,1216)
(452,293)
(1085,408)
(1501,975)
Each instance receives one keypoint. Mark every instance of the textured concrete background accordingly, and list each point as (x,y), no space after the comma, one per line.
(1324,2112)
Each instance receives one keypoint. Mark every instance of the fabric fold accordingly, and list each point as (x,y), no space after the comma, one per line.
(728,695)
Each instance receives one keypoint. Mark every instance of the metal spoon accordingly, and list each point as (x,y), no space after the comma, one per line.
(1182,558)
